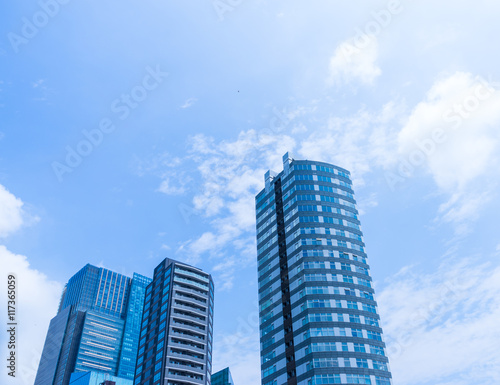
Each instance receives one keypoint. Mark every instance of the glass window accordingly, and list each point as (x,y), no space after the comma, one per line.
(359,348)
(361,363)
(380,365)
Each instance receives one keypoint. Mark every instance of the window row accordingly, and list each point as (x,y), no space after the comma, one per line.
(312,290)
(321,198)
(327,209)
(328,231)
(339,317)
(338,304)
(334,278)
(319,219)
(334,362)
(344,347)
(342,332)
(346,266)
(327,242)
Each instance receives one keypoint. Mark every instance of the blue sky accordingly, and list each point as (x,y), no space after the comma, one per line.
(189,103)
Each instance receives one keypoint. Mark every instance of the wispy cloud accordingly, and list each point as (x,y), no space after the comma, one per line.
(454,132)
(230,172)
(227,183)
(353,63)
(363,141)
(166,187)
(38,83)
(240,350)
(445,322)
(167,168)
(43,91)
(189,102)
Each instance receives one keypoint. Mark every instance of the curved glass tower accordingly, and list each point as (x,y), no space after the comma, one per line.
(318,318)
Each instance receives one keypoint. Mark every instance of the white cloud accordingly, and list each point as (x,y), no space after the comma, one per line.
(166,167)
(469,125)
(454,135)
(230,175)
(462,208)
(445,322)
(156,165)
(450,309)
(230,172)
(167,188)
(359,143)
(354,62)
(225,271)
(37,302)
(11,213)
(229,178)
(226,189)
(189,102)
(368,202)
(204,243)
(38,83)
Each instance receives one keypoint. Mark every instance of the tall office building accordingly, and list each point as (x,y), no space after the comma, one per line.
(222,377)
(175,345)
(318,318)
(96,329)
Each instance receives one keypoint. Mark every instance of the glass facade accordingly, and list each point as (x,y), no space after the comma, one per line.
(126,366)
(97,378)
(175,346)
(222,377)
(318,317)
(52,348)
(69,348)
(100,343)
(96,328)
(80,291)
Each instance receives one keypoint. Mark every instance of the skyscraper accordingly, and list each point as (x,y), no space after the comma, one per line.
(222,377)
(318,317)
(176,337)
(96,328)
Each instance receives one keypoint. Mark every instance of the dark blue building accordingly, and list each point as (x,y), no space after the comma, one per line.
(96,328)
(176,338)
(319,322)
(222,377)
